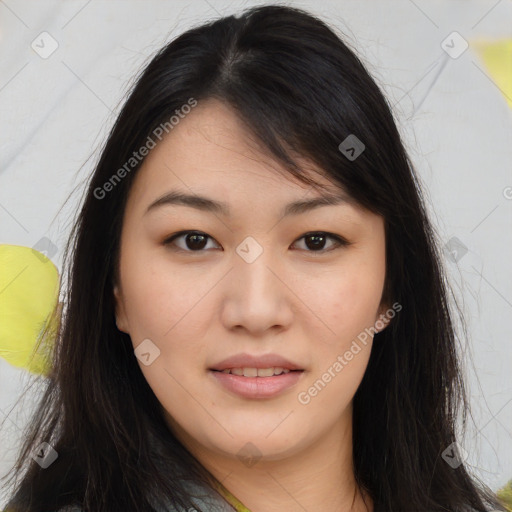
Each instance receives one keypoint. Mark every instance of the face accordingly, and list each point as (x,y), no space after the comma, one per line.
(248,280)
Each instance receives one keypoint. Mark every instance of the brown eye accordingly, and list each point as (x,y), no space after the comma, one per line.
(191,241)
(317,241)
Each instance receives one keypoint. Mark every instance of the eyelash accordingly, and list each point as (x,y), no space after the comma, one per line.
(340,242)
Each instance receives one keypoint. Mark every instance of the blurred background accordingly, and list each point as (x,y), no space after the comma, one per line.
(446,68)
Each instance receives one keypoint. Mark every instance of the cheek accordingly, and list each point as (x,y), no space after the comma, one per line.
(348,306)
(165,305)
(350,302)
(148,309)
(153,295)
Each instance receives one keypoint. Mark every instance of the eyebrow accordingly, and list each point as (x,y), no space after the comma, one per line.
(207,204)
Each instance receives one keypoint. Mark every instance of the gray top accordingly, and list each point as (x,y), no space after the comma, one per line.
(201,496)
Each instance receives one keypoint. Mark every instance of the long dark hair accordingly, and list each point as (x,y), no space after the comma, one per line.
(302,92)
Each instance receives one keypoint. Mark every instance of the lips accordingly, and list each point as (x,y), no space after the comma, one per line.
(259,362)
(252,388)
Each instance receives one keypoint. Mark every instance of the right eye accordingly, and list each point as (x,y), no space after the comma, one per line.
(193,241)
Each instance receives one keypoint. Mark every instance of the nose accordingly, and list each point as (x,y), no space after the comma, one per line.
(257,295)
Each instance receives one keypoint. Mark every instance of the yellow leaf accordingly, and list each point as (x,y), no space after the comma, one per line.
(497,57)
(29,294)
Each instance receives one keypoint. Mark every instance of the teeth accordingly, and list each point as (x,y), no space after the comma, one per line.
(263,372)
(256,372)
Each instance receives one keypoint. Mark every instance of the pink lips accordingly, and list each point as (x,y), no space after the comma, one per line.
(249,361)
(257,387)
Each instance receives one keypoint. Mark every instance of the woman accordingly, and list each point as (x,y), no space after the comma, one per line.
(257,314)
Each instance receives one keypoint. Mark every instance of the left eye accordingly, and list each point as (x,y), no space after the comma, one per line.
(316,241)
(197,241)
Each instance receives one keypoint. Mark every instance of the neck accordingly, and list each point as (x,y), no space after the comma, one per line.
(317,478)
(267,492)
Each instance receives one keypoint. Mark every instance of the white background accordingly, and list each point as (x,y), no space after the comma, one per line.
(457,126)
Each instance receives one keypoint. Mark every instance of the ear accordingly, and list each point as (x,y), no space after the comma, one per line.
(383,319)
(121,320)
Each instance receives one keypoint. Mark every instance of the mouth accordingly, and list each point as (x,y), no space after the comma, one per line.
(257,372)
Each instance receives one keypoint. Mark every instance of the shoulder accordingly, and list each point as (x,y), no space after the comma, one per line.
(202,496)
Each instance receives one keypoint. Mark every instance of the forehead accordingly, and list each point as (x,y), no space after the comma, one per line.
(212,148)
